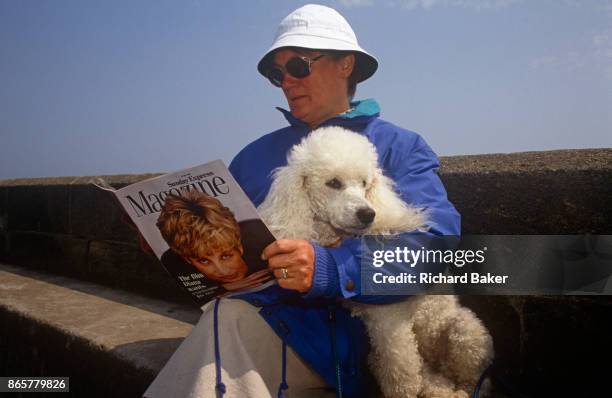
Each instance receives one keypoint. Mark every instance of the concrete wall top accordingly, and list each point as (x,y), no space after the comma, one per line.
(518,162)
(526,162)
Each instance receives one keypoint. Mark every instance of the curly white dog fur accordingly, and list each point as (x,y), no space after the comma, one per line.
(333,188)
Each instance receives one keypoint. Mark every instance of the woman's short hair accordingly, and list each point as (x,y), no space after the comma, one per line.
(197,225)
(337,55)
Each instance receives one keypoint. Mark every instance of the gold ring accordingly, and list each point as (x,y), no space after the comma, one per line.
(284,273)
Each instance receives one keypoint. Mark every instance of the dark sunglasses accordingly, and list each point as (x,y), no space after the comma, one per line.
(298,67)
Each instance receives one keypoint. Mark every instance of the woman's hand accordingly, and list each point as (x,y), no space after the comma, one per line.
(253,280)
(292,262)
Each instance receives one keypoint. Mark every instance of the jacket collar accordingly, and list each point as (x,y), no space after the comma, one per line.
(361,112)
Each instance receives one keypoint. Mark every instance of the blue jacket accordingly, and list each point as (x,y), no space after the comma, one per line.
(322,333)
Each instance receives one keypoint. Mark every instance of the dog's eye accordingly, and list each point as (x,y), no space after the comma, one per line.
(364,183)
(334,183)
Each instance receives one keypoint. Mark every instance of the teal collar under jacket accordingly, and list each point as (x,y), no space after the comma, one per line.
(360,112)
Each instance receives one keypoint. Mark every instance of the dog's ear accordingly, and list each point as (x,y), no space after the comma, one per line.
(287,210)
(393,215)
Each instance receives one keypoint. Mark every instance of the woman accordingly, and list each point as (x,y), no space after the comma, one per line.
(204,235)
(317,62)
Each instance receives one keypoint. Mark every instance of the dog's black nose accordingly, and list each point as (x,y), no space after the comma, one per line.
(366,215)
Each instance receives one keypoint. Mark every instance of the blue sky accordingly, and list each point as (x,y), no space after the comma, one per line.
(113,87)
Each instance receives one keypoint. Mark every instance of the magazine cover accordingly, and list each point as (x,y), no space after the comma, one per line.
(203,228)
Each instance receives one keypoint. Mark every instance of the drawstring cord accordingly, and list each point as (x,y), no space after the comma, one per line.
(481,380)
(220,387)
(283,385)
(332,320)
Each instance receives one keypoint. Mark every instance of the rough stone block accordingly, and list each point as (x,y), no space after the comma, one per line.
(67,256)
(60,254)
(567,346)
(38,208)
(3,207)
(3,223)
(96,214)
(125,266)
(3,245)
(28,249)
(502,317)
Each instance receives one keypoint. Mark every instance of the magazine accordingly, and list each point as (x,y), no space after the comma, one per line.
(202,227)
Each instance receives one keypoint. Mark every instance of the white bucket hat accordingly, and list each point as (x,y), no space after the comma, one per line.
(318,27)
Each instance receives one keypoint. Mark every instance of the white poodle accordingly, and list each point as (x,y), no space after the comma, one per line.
(333,188)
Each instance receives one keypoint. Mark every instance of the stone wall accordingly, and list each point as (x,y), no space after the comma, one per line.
(548,346)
